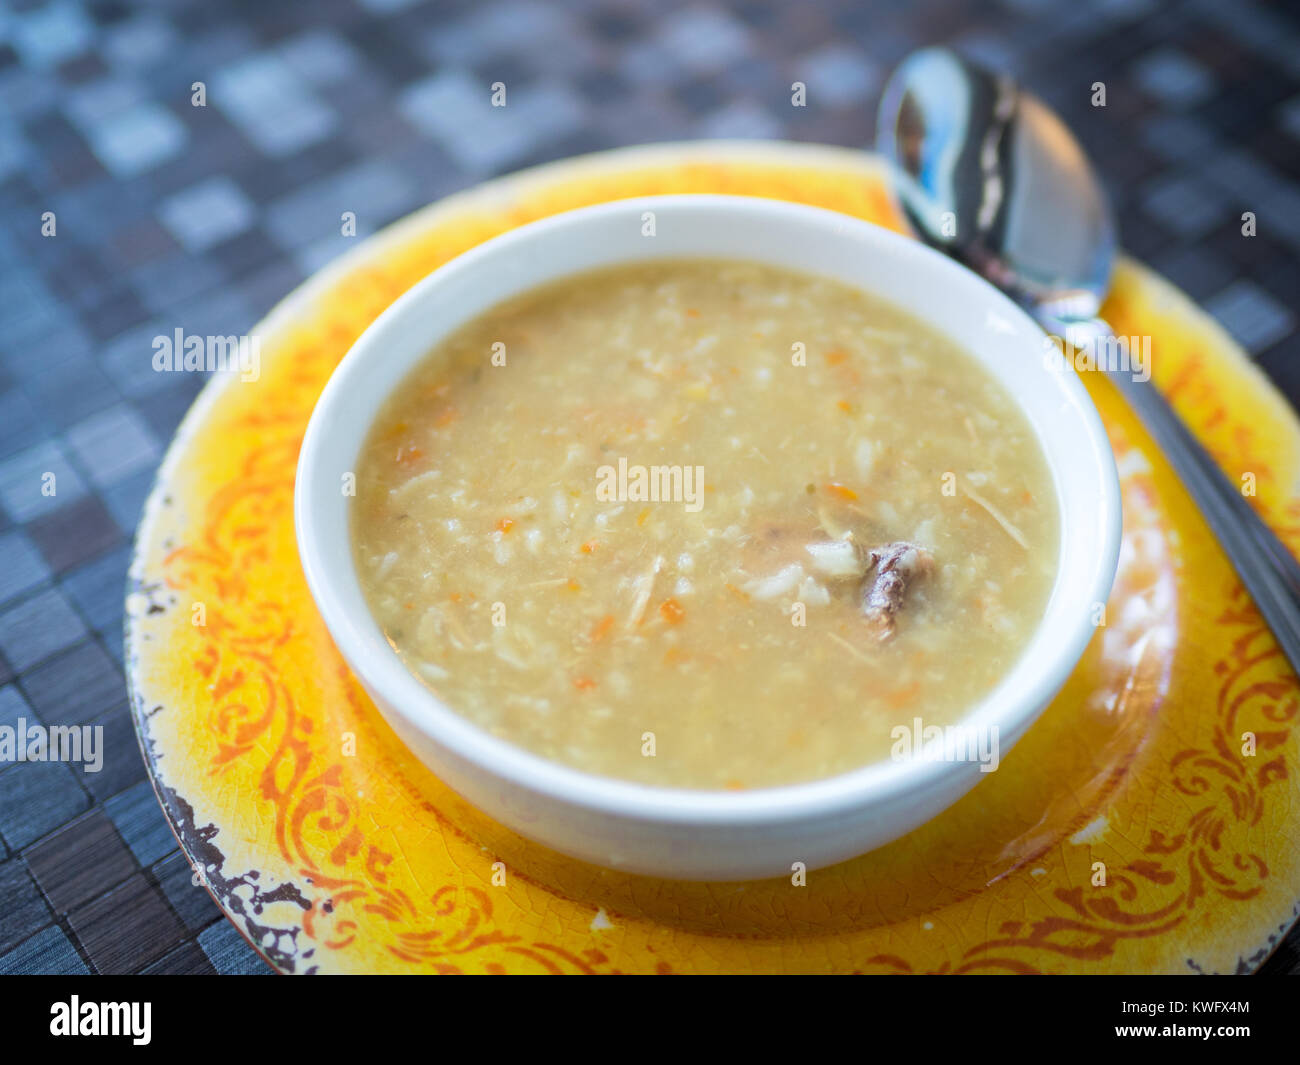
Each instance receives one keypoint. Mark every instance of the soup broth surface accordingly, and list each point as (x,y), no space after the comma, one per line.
(704,524)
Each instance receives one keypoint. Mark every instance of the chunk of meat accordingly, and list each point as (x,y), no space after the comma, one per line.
(892,568)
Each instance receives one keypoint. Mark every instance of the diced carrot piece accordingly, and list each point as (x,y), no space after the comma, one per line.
(836,356)
(673,612)
(408,455)
(583,684)
(900,697)
(734,785)
(845,406)
(505,525)
(589,547)
(841,491)
(641,518)
(691,312)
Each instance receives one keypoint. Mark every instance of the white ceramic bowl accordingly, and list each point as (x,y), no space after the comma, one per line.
(704,835)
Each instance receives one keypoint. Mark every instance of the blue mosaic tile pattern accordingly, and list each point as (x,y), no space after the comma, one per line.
(171,216)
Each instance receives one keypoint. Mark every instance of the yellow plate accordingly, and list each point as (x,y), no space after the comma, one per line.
(1147,823)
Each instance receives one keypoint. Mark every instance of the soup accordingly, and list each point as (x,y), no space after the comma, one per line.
(704,524)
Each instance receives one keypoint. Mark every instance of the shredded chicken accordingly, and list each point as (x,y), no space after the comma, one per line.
(797,559)
(997,516)
(893,566)
(837,559)
(644,586)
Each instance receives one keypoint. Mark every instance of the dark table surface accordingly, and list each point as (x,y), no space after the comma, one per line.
(163,226)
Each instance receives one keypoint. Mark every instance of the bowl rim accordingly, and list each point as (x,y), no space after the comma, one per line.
(361,642)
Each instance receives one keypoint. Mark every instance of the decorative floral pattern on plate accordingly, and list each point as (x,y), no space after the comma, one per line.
(1146,823)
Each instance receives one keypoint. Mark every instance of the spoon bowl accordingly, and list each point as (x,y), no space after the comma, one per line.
(989,175)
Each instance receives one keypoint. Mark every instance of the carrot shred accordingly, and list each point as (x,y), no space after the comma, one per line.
(601,629)
(583,684)
(406,456)
(836,356)
(841,491)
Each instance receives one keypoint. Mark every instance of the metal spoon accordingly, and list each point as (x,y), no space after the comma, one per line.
(986,173)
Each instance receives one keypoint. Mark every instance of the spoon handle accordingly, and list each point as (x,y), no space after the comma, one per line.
(1267,569)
